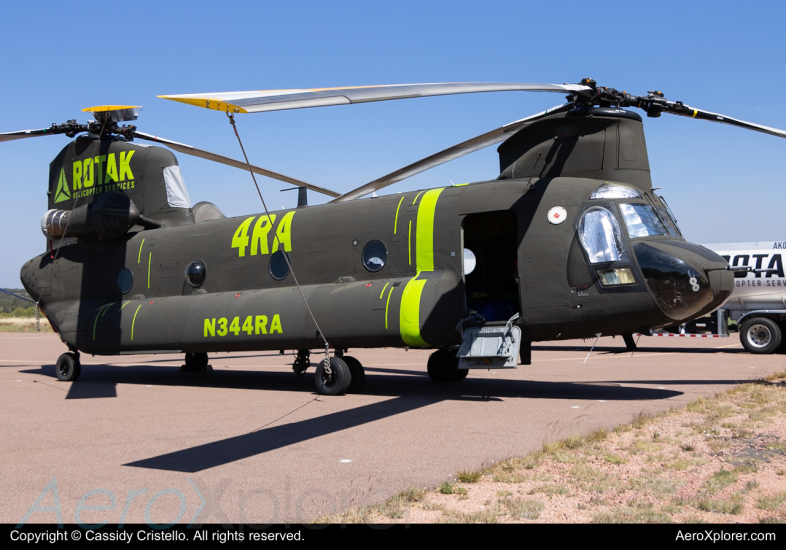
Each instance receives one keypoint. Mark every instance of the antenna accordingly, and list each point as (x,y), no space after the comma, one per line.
(302,196)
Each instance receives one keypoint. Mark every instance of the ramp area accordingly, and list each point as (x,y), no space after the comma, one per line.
(254,439)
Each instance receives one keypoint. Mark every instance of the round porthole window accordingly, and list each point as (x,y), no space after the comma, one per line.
(125,280)
(278,266)
(196,273)
(375,255)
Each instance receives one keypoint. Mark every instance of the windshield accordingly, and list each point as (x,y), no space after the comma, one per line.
(668,218)
(641,220)
(599,234)
(615,191)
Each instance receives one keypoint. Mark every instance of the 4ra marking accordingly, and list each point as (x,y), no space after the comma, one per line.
(259,235)
(254,324)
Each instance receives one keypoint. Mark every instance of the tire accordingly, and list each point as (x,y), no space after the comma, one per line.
(461,374)
(760,335)
(443,366)
(68,367)
(302,362)
(338,381)
(196,362)
(357,374)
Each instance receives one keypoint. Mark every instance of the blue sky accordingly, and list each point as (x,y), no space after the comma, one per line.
(723,183)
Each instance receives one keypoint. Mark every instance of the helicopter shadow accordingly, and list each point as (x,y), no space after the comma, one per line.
(408,393)
(100,381)
(407,396)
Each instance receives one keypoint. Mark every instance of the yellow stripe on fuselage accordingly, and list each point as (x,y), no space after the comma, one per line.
(424,247)
(409,316)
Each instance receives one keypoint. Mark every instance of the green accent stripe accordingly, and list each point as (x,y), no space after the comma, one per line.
(409,316)
(134,321)
(383,290)
(424,243)
(395,223)
(409,242)
(416,197)
(139,258)
(99,313)
(124,305)
(387,305)
(149,261)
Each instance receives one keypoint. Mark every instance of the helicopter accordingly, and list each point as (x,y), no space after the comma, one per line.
(570,240)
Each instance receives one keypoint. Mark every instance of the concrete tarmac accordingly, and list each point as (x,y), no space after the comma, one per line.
(135,440)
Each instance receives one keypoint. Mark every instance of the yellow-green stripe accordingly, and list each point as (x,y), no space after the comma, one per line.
(395,223)
(387,305)
(416,197)
(139,258)
(134,321)
(383,290)
(149,261)
(409,316)
(99,313)
(409,242)
(424,239)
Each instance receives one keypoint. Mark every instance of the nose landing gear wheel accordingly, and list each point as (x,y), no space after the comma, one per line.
(337,381)
(68,367)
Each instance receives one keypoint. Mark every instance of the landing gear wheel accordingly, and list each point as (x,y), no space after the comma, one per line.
(195,362)
(760,335)
(357,372)
(443,366)
(68,367)
(302,362)
(337,381)
(461,374)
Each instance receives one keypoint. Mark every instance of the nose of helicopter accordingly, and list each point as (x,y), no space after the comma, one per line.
(685,279)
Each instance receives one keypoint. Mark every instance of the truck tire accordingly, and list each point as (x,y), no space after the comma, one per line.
(760,335)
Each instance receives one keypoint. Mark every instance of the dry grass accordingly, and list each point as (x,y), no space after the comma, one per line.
(23,324)
(718,460)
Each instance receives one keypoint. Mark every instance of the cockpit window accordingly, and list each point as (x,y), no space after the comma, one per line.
(599,234)
(668,216)
(641,220)
(615,191)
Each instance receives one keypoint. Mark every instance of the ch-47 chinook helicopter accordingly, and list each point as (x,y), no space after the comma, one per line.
(569,241)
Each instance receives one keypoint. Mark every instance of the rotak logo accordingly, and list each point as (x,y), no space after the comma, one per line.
(95,175)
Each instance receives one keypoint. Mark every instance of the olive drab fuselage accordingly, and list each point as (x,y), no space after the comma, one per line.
(134,295)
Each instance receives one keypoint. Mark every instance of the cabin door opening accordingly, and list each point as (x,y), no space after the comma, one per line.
(490,264)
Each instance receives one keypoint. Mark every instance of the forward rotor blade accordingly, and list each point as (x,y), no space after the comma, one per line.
(193,151)
(451,153)
(22,134)
(277,100)
(692,112)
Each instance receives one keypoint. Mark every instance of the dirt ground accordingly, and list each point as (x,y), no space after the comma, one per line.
(718,460)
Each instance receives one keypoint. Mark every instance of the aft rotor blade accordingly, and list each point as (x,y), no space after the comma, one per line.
(193,151)
(692,112)
(277,100)
(451,153)
(23,134)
